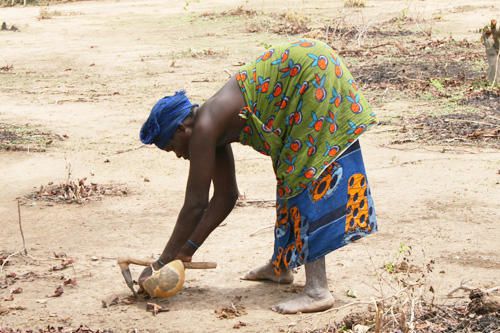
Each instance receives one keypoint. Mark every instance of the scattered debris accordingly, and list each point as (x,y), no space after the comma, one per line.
(6,68)
(230,312)
(76,192)
(63,265)
(156,308)
(25,138)
(455,128)
(52,329)
(6,28)
(412,307)
(481,303)
(486,98)
(118,300)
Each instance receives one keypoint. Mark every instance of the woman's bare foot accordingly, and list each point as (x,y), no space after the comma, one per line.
(266,273)
(309,301)
(316,296)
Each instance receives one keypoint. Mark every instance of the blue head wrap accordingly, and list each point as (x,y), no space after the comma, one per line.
(167,114)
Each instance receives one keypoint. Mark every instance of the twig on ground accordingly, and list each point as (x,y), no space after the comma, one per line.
(6,260)
(491,290)
(461,287)
(130,149)
(23,251)
(261,229)
(21,227)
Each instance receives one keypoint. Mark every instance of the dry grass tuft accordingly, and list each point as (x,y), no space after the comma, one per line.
(46,14)
(355,3)
(289,23)
(238,11)
(26,138)
(203,53)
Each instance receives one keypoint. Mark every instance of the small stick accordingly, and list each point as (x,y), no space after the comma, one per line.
(129,150)
(461,287)
(7,259)
(261,229)
(21,227)
(256,201)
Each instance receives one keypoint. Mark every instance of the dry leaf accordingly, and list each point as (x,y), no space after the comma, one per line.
(117,300)
(58,292)
(70,282)
(239,324)
(60,254)
(155,308)
(17,290)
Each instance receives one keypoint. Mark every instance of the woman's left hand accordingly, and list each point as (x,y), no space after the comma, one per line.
(146,273)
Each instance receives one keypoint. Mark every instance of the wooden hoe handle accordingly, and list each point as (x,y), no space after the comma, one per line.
(124,262)
(199,265)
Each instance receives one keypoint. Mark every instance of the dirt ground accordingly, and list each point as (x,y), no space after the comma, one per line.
(89,73)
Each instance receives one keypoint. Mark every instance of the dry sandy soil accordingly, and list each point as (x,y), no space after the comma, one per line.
(93,70)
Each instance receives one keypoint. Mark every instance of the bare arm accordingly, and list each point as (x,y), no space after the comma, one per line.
(198,217)
(222,202)
(201,169)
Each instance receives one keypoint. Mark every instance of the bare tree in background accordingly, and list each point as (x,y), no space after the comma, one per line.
(490,39)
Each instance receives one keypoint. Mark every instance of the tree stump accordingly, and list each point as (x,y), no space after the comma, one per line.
(490,38)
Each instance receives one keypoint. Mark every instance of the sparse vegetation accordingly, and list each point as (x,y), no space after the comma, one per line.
(354,3)
(25,138)
(46,14)
(288,23)
(10,3)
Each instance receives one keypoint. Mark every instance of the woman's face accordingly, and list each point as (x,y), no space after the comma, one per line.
(179,143)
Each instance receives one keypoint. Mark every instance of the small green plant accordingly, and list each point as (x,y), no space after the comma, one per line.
(392,266)
(265,45)
(389,267)
(438,85)
(187,3)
